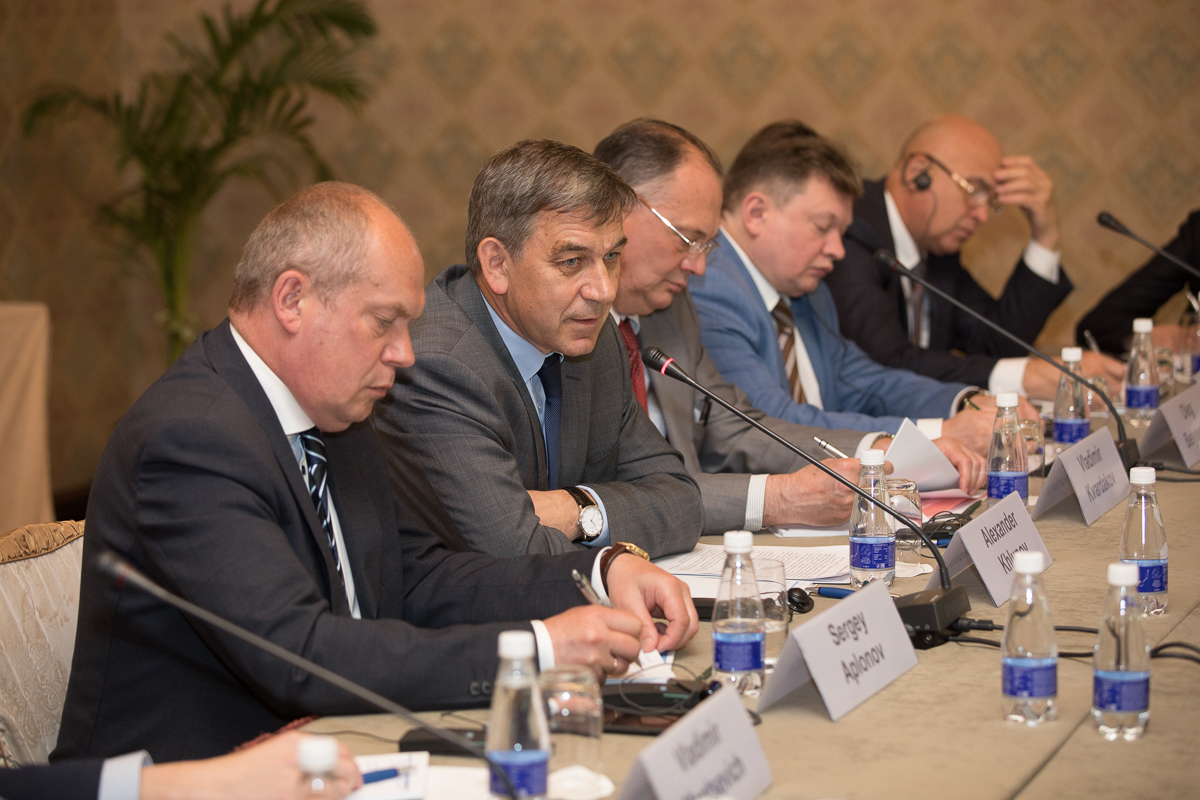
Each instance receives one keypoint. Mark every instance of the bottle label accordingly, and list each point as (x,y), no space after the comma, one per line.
(525,768)
(1113,690)
(1141,397)
(872,552)
(1152,574)
(1070,431)
(738,652)
(1030,677)
(1002,484)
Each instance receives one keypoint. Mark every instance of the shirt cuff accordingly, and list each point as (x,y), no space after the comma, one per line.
(1008,376)
(1042,262)
(598,580)
(121,776)
(756,498)
(603,540)
(545,645)
(868,442)
(931,427)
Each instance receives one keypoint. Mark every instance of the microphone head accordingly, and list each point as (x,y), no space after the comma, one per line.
(654,358)
(887,258)
(1107,220)
(110,564)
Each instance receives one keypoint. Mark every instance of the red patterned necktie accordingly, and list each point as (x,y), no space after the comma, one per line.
(637,371)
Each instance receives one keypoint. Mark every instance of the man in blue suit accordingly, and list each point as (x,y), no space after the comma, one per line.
(770,324)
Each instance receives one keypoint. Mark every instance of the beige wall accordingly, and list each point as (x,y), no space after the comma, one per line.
(1105,93)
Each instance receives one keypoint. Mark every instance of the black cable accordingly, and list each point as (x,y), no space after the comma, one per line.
(1161,467)
(1168,479)
(990,643)
(1184,656)
(376,737)
(1184,645)
(1076,629)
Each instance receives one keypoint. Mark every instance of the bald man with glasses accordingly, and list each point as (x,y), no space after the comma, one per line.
(950,178)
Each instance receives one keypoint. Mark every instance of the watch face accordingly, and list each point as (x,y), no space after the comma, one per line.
(592,521)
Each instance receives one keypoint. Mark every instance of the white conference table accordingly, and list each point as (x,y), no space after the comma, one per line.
(937,731)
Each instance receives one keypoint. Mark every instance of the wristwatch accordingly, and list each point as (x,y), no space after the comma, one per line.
(591,521)
(606,558)
(966,398)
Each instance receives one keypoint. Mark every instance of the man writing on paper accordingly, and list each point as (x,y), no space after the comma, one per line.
(768,321)
(519,410)
(950,175)
(247,480)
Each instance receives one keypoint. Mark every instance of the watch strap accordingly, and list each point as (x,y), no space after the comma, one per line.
(606,558)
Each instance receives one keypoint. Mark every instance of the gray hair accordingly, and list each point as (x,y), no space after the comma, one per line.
(321,231)
(536,175)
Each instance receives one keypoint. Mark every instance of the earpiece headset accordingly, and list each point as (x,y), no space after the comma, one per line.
(922,180)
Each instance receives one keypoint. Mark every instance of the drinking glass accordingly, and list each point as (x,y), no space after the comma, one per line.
(1033,432)
(777,614)
(906,500)
(575,713)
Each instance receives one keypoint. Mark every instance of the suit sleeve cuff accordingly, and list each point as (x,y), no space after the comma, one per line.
(1008,376)
(121,776)
(1042,262)
(931,427)
(603,540)
(545,645)
(756,498)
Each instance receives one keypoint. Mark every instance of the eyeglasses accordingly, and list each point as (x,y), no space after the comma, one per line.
(694,247)
(979,193)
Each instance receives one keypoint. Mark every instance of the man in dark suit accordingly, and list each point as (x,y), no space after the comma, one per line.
(951,173)
(519,410)
(746,479)
(246,480)
(1141,294)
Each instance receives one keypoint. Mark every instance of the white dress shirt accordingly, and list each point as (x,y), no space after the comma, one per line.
(1009,373)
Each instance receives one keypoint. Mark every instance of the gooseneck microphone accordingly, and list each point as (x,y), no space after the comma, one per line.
(1107,220)
(927,614)
(1125,446)
(122,572)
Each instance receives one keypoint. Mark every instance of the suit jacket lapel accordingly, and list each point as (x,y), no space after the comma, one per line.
(465,291)
(361,527)
(224,354)
(577,412)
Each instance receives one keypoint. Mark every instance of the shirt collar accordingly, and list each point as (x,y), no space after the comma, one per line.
(618,317)
(770,297)
(291,415)
(527,357)
(907,252)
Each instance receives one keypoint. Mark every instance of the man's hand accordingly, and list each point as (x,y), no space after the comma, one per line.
(1041,379)
(810,497)
(557,509)
(1021,182)
(971,466)
(605,639)
(644,590)
(973,428)
(1169,335)
(267,771)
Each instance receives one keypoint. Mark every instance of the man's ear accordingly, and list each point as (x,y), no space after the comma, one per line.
(495,265)
(755,207)
(290,296)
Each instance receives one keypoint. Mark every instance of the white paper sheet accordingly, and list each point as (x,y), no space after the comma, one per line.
(799,563)
(917,458)
(410,784)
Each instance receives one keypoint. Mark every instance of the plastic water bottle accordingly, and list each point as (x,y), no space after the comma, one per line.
(518,739)
(1141,375)
(1008,469)
(1144,541)
(1071,421)
(1029,651)
(1189,326)
(739,629)
(872,534)
(317,758)
(1121,663)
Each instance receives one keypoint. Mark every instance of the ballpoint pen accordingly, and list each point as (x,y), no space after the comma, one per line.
(585,587)
(828,448)
(1092,344)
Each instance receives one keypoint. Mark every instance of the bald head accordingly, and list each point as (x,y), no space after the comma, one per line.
(927,181)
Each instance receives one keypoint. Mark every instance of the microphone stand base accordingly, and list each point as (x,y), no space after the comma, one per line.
(927,615)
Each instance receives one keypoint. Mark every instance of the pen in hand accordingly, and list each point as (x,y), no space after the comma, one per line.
(828,448)
(586,589)
(1092,344)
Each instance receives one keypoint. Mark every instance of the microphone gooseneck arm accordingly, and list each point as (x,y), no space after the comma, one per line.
(1107,220)
(660,362)
(1127,447)
(109,563)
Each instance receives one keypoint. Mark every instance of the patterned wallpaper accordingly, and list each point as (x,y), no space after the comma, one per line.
(1105,93)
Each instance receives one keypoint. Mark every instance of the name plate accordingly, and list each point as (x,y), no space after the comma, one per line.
(1091,468)
(989,541)
(851,651)
(1178,419)
(712,750)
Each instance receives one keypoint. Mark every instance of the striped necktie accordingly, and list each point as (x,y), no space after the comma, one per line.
(785,328)
(318,485)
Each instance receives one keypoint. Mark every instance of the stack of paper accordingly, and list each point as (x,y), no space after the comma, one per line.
(701,568)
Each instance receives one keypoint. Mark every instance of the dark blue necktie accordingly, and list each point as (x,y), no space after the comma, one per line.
(318,485)
(551,378)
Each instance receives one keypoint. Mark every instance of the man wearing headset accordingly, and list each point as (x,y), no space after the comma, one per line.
(950,176)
